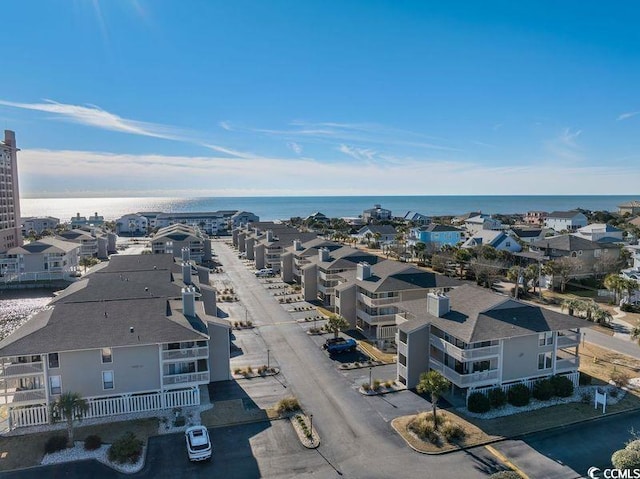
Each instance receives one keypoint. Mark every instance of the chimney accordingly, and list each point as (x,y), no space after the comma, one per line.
(186,254)
(189,301)
(269,236)
(363,271)
(209,300)
(437,304)
(186,273)
(297,245)
(323,254)
(203,275)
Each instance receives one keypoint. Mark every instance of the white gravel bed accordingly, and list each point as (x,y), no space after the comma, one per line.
(534,404)
(191,415)
(78,453)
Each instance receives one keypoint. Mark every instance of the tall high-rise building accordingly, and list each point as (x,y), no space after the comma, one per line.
(10,234)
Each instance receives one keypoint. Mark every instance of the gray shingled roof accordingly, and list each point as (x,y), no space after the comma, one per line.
(45,245)
(72,326)
(381,229)
(569,242)
(478,314)
(389,275)
(563,214)
(527,232)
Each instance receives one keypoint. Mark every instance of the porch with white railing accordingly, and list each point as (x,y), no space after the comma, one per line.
(464,354)
(185,353)
(170,379)
(111,406)
(465,380)
(568,339)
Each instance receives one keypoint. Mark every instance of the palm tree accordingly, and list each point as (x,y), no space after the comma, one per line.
(601,316)
(336,323)
(614,283)
(513,275)
(376,237)
(462,257)
(69,406)
(571,305)
(436,384)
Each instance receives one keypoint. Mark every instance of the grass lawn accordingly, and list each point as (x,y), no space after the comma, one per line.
(545,418)
(28,450)
(599,362)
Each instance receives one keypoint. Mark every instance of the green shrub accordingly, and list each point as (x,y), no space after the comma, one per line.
(505,475)
(633,445)
(289,404)
(366,387)
(55,443)
(126,449)
(93,442)
(562,386)
(543,390)
(478,402)
(585,379)
(376,384)
(452,432)
(519,395)
(626,459)
(497,397)
(178,422)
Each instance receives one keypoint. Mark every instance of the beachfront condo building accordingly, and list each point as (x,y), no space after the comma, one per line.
(10,224)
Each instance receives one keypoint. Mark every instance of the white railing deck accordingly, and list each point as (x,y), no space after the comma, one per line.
(464,354)
(186,353)
(185,378)
(464,380)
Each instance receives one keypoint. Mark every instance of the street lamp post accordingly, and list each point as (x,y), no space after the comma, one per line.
(311,428)
(370,370)
(268,359)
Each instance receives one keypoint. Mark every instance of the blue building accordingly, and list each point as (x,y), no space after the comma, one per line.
(436,235)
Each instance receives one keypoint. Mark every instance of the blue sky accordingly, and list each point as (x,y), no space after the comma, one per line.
(244,98)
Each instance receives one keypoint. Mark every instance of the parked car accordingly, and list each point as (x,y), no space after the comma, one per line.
(340,345)
(198,443)
(264,272)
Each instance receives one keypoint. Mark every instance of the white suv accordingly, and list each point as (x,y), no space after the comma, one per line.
(198,443)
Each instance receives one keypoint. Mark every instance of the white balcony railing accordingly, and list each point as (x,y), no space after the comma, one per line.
(464,354)
(187,353)
(20,369)
(567,364)
(465,380)
(568,339)
(379,319)
(202,377)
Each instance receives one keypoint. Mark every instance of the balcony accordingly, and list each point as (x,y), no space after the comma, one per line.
(464,354)
(568,339)
(380,319)
(180,354)
(567,364)
(373,302)
(481,378)
(21,369)
(201,377)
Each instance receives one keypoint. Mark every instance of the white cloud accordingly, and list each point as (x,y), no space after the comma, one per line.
(361,154)
(159,175)
(295,147)
(225,125)
(565,147)
(626,116)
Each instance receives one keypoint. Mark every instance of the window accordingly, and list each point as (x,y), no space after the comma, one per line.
(544,361)
(54,361)
(106,355)
(544,339)
(55,384)
(107,379)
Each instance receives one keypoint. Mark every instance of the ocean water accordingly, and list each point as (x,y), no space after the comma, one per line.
(274,208)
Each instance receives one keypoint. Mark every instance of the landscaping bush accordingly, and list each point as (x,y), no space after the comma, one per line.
(505,475)
(55,443)
(424,428)
(478,403)
(288,405)
(376,384)
(626,459)
(543,390)
(620,378)
(178,422)
(93,442)
(585,379)
(127,448)
(452,432)
(497,397)
(633,445)
(366,387)
(562,386)
(519,395)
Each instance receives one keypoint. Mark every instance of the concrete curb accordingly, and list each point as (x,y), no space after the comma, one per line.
(312,443)
(516,436)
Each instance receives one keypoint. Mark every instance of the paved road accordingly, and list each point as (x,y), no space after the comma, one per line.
(356,439)
(567,453)
(630,348)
